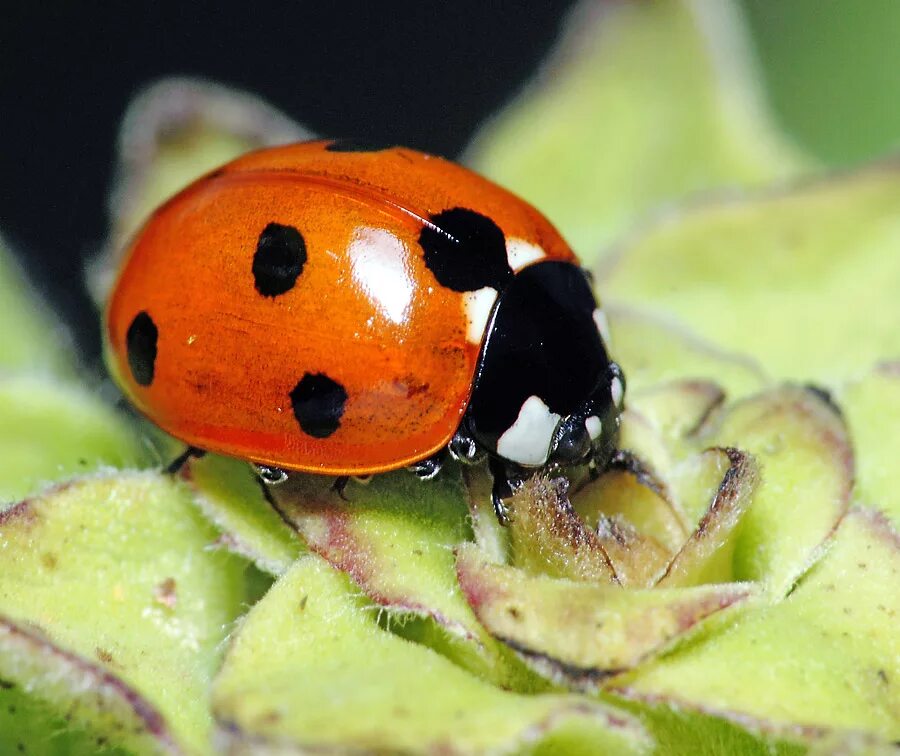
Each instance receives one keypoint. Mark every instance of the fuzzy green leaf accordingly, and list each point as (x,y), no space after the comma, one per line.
(310,669)
(802,281)
(872,406)
(827,657)
(54,703)
(50,430)
(640,104)
(395,537)
(801,444)
(229,494)
(117,571)
(30,339)
(708,555)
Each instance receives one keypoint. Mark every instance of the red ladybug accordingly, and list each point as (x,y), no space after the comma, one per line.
(347,309)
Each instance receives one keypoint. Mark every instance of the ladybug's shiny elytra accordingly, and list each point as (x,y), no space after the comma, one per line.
(348,309)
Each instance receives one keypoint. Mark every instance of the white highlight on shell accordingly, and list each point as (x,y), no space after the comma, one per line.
(377,260)
(602,325)
(520,253)
(477,306)
(527,440)
(616,390)
(594,427)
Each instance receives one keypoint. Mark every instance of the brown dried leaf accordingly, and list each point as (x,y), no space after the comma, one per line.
(579,633)
(635,495)
(546,537)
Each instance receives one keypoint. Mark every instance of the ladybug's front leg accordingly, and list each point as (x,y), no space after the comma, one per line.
(506,481)
(174,467)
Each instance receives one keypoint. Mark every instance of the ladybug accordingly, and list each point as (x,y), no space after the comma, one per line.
(346,309)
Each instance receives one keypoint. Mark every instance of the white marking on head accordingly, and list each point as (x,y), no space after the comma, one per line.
(527,440)
(377,259)
(594,427)
(477,306)
(602,325)
(520,253)
(616,390)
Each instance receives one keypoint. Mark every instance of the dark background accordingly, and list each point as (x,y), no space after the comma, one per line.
(414,72)
(410,71)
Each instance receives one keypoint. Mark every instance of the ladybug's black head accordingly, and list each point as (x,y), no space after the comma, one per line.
(545,391)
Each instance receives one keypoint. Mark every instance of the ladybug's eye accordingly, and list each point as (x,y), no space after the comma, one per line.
(572,441)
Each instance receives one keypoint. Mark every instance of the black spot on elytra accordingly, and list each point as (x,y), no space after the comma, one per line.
(318,403)
(465,250)
(140,346)
(279,259)
(358,145)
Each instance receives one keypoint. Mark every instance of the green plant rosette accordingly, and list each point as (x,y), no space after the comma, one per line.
(729,585)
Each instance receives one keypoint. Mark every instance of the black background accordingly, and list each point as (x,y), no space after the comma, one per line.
(417,73)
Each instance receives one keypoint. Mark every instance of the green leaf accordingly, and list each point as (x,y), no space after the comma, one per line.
(490,534)
(802,281)
(680,731)
(640,104)
(310,669)
(654,349)
(117,571)
(229,494)
(30,338)
(807,470)
(872,407)
(824,658)
(708,555)
(801,444)
(50,430)
(395,536)
(55,702)
(678,408)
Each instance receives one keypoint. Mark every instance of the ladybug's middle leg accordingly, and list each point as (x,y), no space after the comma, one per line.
(426,469)
(340,485)
(504,482)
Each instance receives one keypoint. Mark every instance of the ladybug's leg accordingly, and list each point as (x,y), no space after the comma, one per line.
(340,483)
(176,464)
(463,448)
(271,476)
(426,469)
(500,490)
